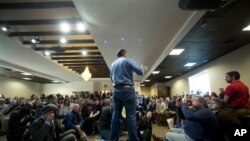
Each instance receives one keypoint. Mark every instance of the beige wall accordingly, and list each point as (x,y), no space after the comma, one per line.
(153,90)
(145,91)
(102,85)
(238,60)
(11,87)
(67,88)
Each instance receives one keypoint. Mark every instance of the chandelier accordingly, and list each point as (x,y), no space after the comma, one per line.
(86,74)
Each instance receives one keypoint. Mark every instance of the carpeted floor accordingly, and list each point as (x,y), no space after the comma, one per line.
(158,131)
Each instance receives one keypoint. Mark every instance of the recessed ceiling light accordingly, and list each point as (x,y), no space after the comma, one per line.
(63,40)
(33,41)
(55,81)
(168,77)
(155,72)
(47,53)
(80,27)
(147,80)
(26,78)
(84,52)
(246,28)
(5,28)
(25,73)
(122,39)
(65,27)
(142,85)
(189,64)
(105,41)
(176,51)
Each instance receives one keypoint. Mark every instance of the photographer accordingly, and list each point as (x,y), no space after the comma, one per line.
(43,128)
(17,122)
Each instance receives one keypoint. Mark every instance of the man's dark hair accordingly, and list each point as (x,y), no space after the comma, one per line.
(236,74)
(121,52)
(50,97)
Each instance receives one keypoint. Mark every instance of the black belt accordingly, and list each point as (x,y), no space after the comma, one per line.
(123,85)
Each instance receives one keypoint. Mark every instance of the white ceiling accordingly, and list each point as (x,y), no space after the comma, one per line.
(147,29)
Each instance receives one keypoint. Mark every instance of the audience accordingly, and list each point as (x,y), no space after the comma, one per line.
(206,118)
(43,128)
(18,121)
(200,124)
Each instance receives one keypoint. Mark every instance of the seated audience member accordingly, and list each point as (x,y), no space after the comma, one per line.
(42,129)
(4,108)
(90,123)
(160,109)
(65,107)
(200,124)
(237,95)
(86,108)
(208,101)
(17,122)
(17,104)
(180,118)
(105,123)
(214,95)
(222,93)
(73,120)
(145,127)
(227,123)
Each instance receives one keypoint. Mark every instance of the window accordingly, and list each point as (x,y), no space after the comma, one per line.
(199,83)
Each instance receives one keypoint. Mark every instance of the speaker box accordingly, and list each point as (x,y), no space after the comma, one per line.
(199,4)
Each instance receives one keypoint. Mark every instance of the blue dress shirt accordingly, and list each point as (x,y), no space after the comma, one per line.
(122,71)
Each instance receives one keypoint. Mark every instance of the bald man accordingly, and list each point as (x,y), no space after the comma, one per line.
(73,119)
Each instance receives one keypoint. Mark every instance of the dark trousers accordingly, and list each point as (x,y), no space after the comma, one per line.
(13,138)
(124,97)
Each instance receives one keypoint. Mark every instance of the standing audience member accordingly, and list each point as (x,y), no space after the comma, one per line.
(237,96)
(124,93)
(17,122)
(200,124)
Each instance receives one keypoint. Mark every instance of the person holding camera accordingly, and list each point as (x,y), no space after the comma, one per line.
(43,128)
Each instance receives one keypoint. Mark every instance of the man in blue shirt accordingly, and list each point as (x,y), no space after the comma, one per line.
(124,94)
(200,124)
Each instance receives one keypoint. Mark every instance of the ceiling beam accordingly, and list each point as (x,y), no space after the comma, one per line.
(66,58)
(58,42)
(84,64)
(47,33)
(40,22)
(90,66)
(87,48)
(75,53)
(36,5)
(80,61)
